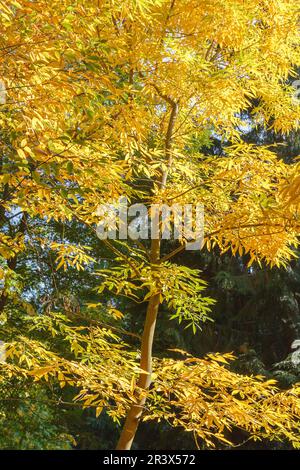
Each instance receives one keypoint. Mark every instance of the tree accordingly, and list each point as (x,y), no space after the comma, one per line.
(116,99)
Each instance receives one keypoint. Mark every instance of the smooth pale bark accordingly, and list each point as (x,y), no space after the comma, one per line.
(144,382)
(135,412)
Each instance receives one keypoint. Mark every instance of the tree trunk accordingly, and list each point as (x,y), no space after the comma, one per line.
(135,412)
